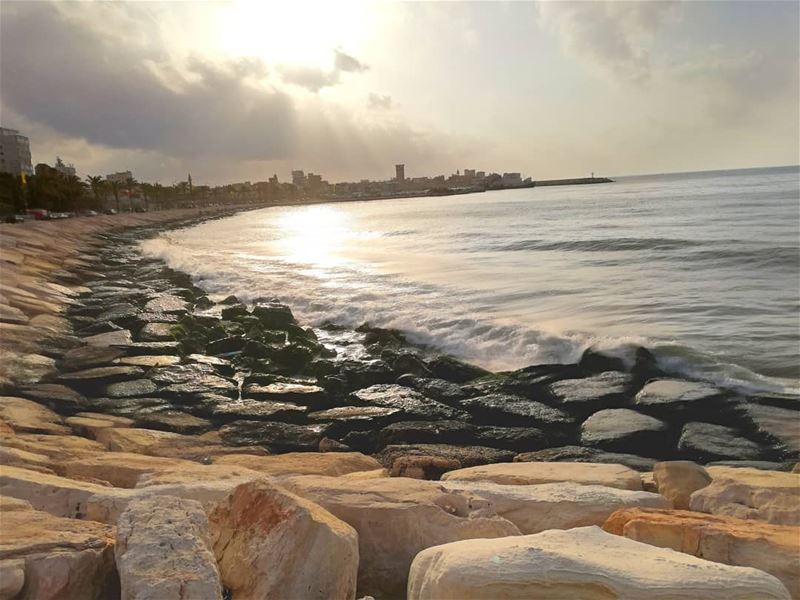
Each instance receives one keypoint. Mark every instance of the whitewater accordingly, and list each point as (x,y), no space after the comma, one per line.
(703,269)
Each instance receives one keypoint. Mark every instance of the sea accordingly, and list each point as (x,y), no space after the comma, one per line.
(703,269)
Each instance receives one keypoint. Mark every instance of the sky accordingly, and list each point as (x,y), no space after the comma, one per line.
(239,91)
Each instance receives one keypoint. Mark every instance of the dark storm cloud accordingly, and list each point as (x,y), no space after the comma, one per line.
(119,91)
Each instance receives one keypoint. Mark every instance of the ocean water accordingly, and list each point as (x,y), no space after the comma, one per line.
(701,268)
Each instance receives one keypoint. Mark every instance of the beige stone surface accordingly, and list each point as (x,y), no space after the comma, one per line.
(273,544)
(395,519)
(61,558)
(529,473)
(585,563)
(171,445)
(163,551)
(120,469)
(26,416)
(376,474)
(14,457)
(777,480)
(55,447)
(564,505)
(676,480)
(303,463)
(774,549)
(12,577)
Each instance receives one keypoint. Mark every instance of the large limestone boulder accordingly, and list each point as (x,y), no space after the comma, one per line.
(530,473)
(54,447)
(585,563)
(163,551)
(676,480)
(395,519)
(303,463)
(535,508)
(120,469)
(29,417)
(89,424)
(771,548)
(273,544)
(53,557)
(772,496)
(14,457)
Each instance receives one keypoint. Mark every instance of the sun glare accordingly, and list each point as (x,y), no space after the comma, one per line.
(314,236)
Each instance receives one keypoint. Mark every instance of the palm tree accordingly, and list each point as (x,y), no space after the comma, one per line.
(74,189)
(146,189)
(97,184)
(115,189)
(130,182)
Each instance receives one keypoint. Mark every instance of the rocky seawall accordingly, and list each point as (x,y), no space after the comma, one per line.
(276,460)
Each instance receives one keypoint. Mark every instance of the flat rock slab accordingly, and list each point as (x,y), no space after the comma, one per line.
(705,442)
(278,436)
(174,420)
(54,447)
(413,404)
(134,387)
(156,332)
(770,548)
(146,348)
(333,464)
(606,390)
(166,304)
(530,473)
(438,389)
(301,393)
(30,417)
(563,505)
(458,456)
(673,394)
(58,557)
(783,424)
(149,361)
(56,396)
(120,469)
(369,415)
(163,551)
(514,410)
(110,338)
(101,375)
(250,409)
(584,454)
(623,430)
(87,357)
(585,562)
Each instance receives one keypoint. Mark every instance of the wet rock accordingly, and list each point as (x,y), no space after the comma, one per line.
(456,371)
(166,303)
(148,361)
(97,327)
(677,480)
(249,409)
(590,455)
(226,345)
(610,389)
(173,420)
(362,374)
(623,429)
(301,393)
(270,543)
(123,314)
(531,473)
(668,396)
(200,386)
(222,366)
(595,361)
(438,389)
(413,404)
(294,356)
(704,442)
(134,387)
(408,362)
(281,437)
(30,417)
(232,311)
(163,551)
(86,357)
(55,557)
(769,548)
(387,513)
(584,562)
(148,348)
(100,376)
(128,407)
(56,396)
(156,332)
(428,432)
(111,338)
(273,315)
(345,418)
(515,410)
(781,424)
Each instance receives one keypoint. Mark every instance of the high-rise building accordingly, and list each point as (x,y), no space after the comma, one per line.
(15,153)
(65,170)
(299,178)
(400,172)
(469,173)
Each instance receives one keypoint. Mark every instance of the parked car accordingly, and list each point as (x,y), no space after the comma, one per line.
(15,219)
(39,214)
(140,209)
(110,211)
(89,213)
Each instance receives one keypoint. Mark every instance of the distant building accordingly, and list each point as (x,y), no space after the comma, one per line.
(120,177)
(480,175)
(400,172)
(469,173)
(299,178)
(65,170)
(512,179)
(15,153)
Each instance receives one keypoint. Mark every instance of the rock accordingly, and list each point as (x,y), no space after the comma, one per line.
(770,548)
(166,303)
(24,369)
(86,357)
(226,345)
(357,417)
(422,467)
(250,409)
(772,496)
(14,457)
(782,424)
(456,371)
(148,348)
(563,505)
(585,563)
(156,332)
(120,469)
(88,424)
(590,455)
(610,389)
(462,456)
(409,363)
(530,473)
(54,447)
(360,374)
(283,437)
(123,314)
(9,314)
(111,338)
(506,409)
(623,429)
(428,432)
(307,395)
(438,389)
(56,396)
(97,378)
(134,387)
(134,440)
(201,386)
(173,420)
(273,315)
(332,464)
(413,404)
(54,557)
(670,395)
(676,480)
(704,442)
(163,551)
(272,544)
(387,513)
(222,366)
(28,416)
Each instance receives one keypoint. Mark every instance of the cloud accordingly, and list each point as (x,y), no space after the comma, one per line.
(379,101)
(616,38)
(346,62)
(314,78)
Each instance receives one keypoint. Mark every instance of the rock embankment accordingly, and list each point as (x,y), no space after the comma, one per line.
(158,443)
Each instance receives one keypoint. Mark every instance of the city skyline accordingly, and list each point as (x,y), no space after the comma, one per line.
(553,89)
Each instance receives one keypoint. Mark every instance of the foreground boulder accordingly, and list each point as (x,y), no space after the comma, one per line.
(677,480)
(28,416)
(530,473)
(535,508)
(54,557)
(120,469)
(771,548)
(163,551)
(273,544)
(395,519)
(585,563)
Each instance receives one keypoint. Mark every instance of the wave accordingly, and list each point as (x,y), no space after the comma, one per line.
(621,244)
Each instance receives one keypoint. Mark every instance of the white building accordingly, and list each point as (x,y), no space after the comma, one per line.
(65,170)
(15,153)
(121,177)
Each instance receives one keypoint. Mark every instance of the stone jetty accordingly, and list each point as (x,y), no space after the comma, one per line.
(160,443)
